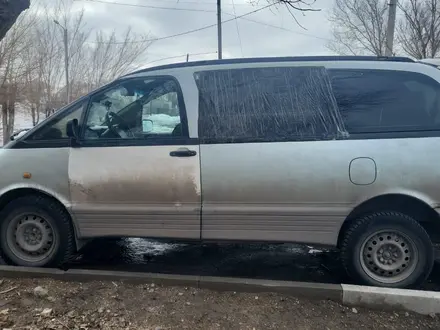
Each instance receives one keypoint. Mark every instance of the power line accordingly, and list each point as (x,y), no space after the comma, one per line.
(177,56)
(206,27)
(206,3)
(149,6)
(198,3)
(279,27)
(238,29)
(182,33)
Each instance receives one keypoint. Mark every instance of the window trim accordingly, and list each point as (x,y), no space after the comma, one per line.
(171,140)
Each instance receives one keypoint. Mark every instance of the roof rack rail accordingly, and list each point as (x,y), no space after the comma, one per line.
(275,59)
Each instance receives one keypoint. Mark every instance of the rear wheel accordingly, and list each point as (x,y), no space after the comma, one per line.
(35,231)
(388,249)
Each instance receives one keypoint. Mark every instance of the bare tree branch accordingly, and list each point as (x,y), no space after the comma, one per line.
(108,60)
(9,12)
(359,27)
(32,60)
(293,6)
(12,68)
(300,5)
(419,31)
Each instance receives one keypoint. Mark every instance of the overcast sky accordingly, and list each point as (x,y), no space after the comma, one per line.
(272,31)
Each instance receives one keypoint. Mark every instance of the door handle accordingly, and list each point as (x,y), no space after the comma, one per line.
(183,152)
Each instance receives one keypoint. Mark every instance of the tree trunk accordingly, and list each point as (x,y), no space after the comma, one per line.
(37,117)
(34,115)
(11,119)
(35,112)
(8,116)
(9,12)
(9,97)
(5,122)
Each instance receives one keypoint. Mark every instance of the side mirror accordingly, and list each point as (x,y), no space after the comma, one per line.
(147,125)
(72,130)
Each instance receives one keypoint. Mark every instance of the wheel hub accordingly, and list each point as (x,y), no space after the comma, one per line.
(31,237)
(388,256)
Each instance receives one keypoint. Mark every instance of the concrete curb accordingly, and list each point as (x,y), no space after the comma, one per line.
(299,289)
(422,302)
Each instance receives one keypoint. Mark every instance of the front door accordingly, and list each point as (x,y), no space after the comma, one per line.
(136,173)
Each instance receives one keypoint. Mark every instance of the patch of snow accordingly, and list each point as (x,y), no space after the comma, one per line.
(164,119)
(163,123)
(23,119)
(315,251)
(312,250)
(145,246)
(20,134)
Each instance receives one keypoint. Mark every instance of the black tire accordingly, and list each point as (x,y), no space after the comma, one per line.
(358,234)
(54,214)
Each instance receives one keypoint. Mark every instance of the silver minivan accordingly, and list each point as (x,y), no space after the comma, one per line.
(332,151)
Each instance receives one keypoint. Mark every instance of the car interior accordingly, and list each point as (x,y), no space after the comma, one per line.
(128,121)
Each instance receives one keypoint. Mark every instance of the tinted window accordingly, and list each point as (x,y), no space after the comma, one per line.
(267,104)
(135,109)
(384,100)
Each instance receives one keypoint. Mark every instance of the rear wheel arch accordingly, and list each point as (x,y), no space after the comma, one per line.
(409,205)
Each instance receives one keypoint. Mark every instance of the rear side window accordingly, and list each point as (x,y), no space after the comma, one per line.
(267,105)
(313,103)
(386,101)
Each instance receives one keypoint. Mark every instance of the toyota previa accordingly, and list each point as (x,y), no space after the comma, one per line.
(341,152)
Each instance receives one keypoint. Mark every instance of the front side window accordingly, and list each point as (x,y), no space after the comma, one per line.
(135,109)
(55,129)
(267,105)
(386,101)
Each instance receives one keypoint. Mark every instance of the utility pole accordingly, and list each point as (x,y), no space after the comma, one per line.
(391,27)
(219,28)
(66,59)
(187,57)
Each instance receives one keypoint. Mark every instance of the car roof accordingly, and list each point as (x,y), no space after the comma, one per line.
(274,59)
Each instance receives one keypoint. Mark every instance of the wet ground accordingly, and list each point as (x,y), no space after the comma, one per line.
(264,261)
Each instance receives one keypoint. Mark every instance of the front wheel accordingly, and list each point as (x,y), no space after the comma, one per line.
(387,249)
(35,231)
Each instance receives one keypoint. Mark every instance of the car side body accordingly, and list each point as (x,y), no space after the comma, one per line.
(263,150)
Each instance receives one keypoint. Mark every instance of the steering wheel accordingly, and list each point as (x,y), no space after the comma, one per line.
(112,118)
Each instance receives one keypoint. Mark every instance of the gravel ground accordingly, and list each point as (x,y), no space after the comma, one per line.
(45,304)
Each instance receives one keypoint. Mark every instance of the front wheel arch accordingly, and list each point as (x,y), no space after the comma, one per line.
(14,194)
